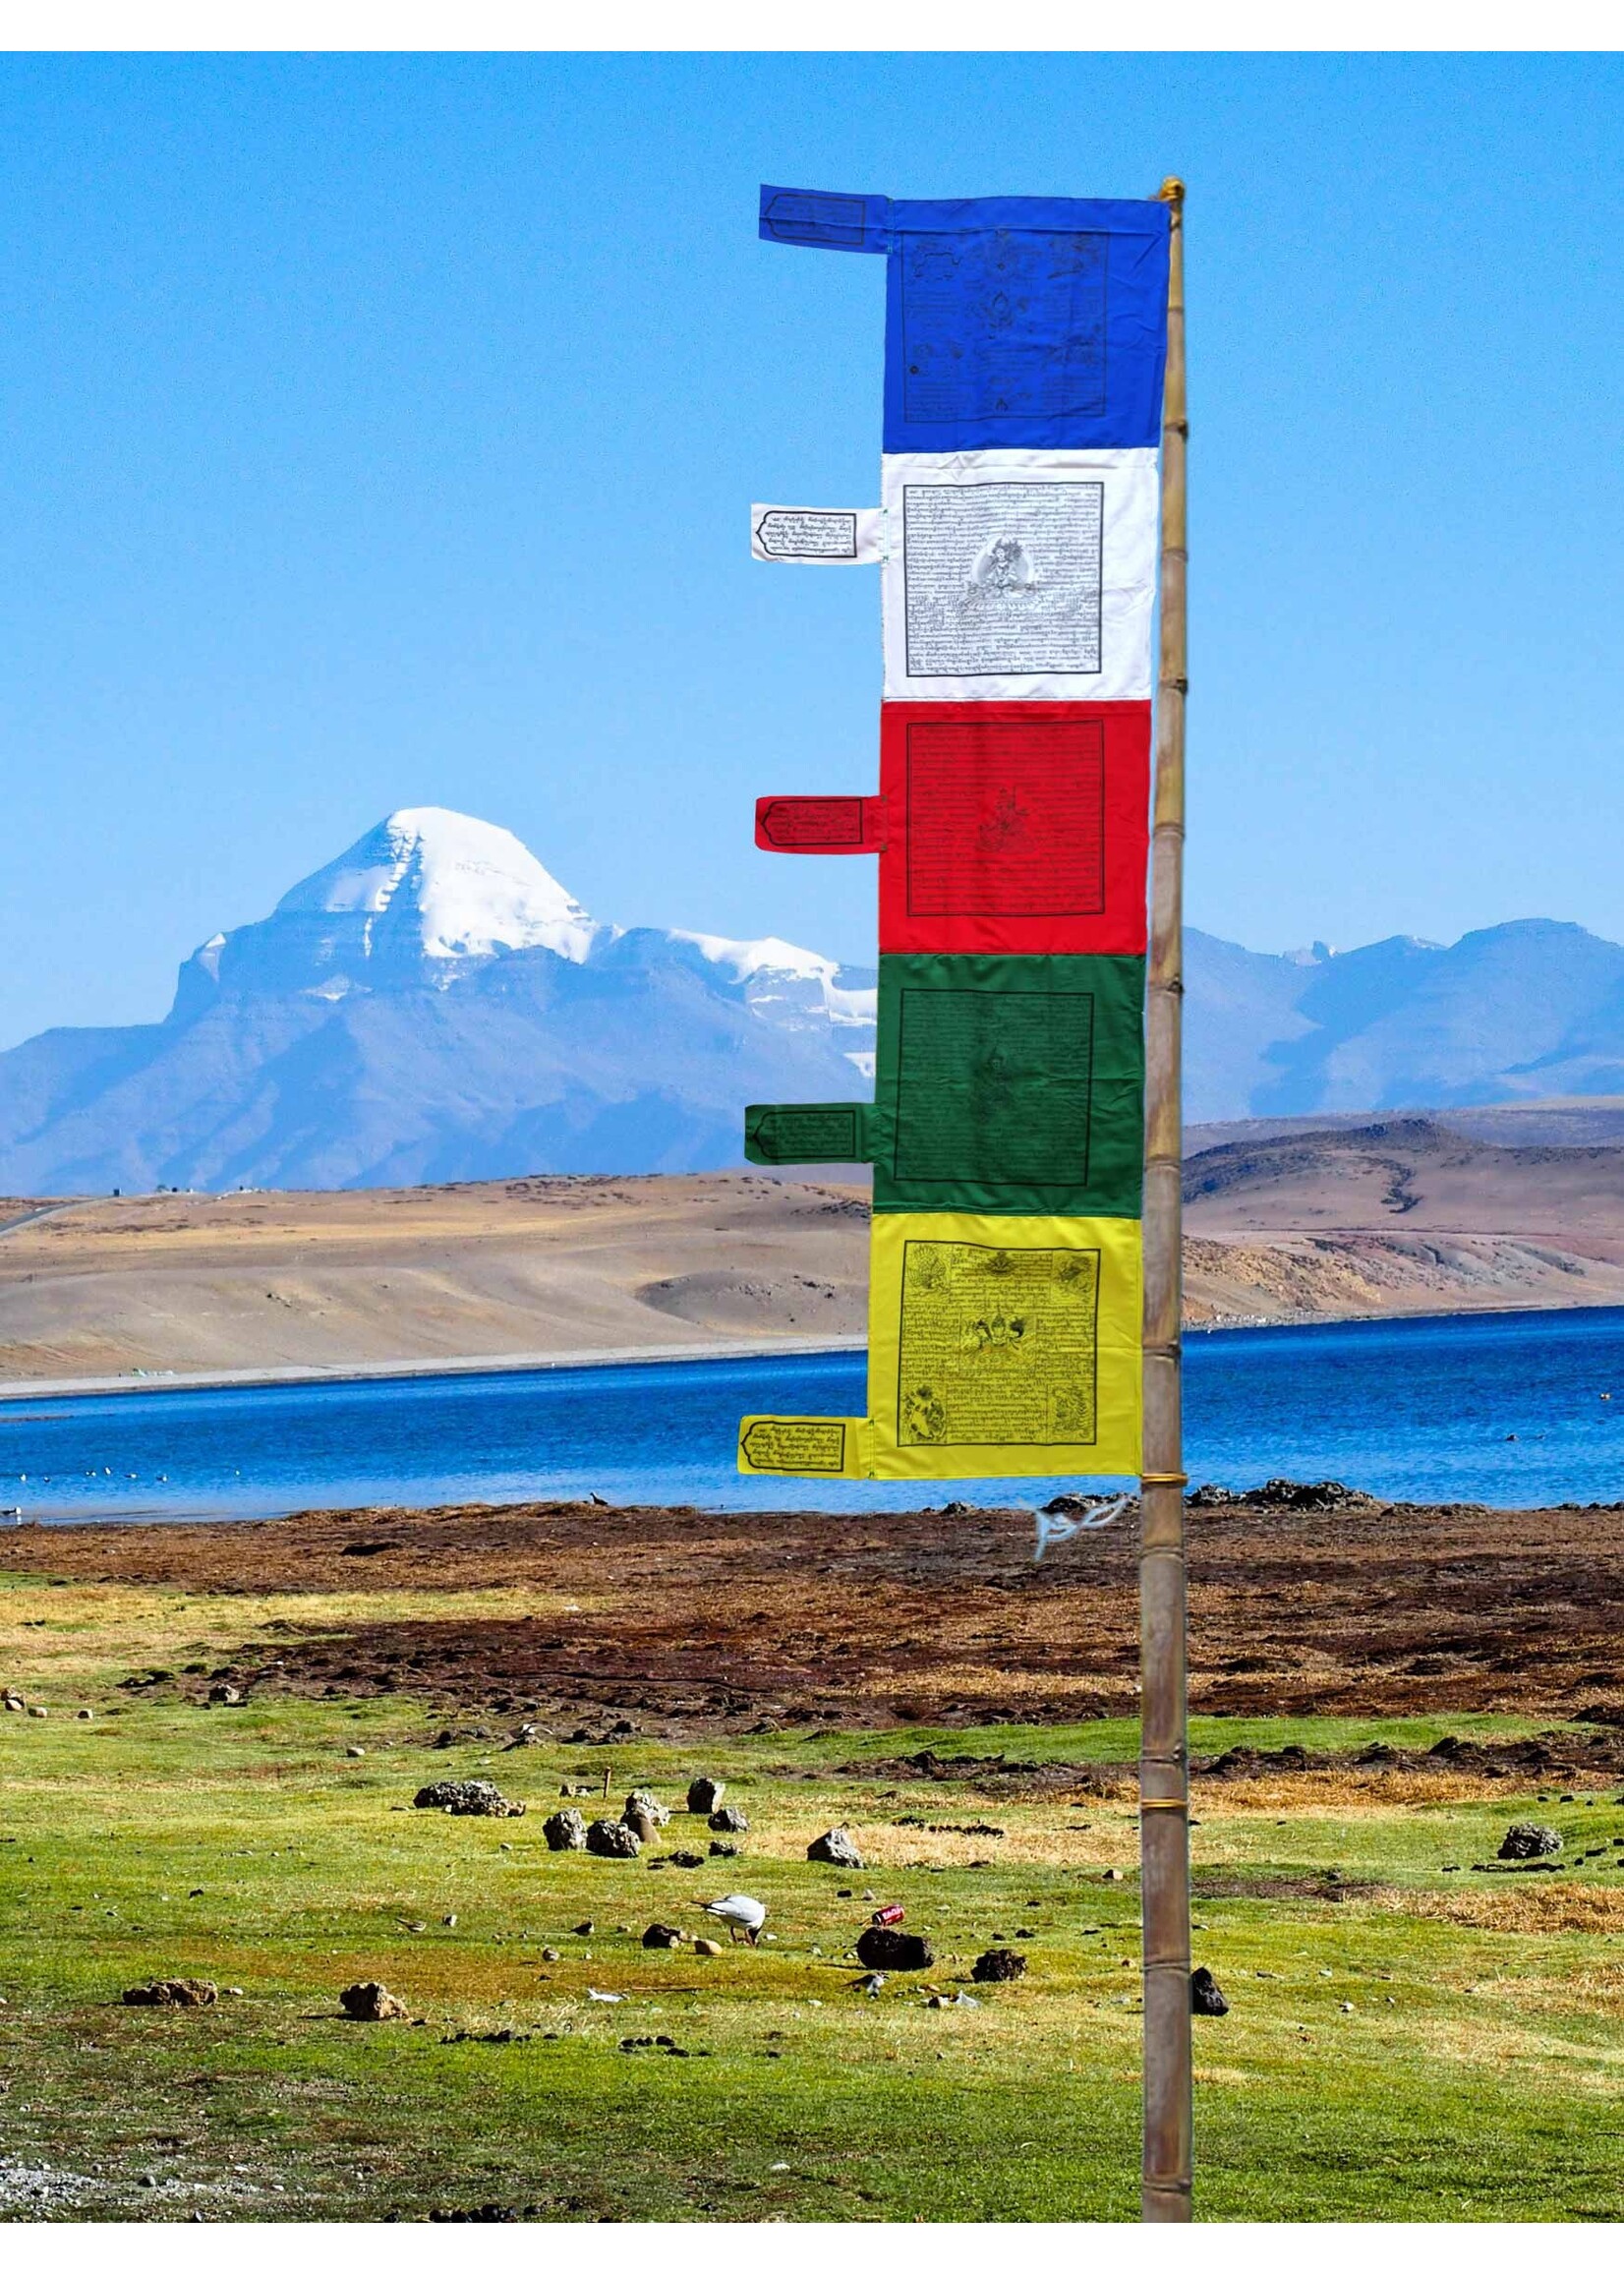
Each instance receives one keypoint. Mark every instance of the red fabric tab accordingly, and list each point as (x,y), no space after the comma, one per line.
(1015,828)
(820,824)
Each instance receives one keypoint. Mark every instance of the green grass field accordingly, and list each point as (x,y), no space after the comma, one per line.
(1434,2045)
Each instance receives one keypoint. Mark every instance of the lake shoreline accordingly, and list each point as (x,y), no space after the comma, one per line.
(674,1354)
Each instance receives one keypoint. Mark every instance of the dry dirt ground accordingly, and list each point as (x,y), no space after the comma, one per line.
(667,1621)
(1348,1221)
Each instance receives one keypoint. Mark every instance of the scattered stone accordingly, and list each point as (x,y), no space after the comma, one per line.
(729,1820)
(550,1956)
(370,2002)
(1113,1873)
(355,1752)
(526,1733)
(39,1713)
(998,1967)
(835,1846)
(704,1947)
(174,1993)
(705,1794)
(1525,1840)
(888,1949)
(1206,1997)
(466,1796)
(685,1859)
(645,1826)
(225,1694)
(585,1928)
(605,1838)
(444,1741)
(723,1847)
(662,1937)
(566,1829)
(643,1803)
(962,1998)
(84,1715)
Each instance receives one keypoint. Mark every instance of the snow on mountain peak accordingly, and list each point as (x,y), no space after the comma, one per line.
(457,886)
(758,963)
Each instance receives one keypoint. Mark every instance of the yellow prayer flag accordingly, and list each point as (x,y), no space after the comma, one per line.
(1004,1346)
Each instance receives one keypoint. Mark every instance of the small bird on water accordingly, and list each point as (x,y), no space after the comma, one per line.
(738,1910)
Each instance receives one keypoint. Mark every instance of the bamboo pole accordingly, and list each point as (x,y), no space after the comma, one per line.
(1164,1766)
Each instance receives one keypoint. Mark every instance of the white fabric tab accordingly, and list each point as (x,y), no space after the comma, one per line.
(1019,574)
(825,537)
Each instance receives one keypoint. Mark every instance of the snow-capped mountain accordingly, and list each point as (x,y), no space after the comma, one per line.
(435,1004)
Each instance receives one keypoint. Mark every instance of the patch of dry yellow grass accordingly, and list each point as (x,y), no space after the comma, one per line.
(1528,1907)
(53,1636)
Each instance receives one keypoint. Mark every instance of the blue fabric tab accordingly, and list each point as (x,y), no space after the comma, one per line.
(1026,323)
(824,218)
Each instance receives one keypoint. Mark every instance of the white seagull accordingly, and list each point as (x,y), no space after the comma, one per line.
(738,1910)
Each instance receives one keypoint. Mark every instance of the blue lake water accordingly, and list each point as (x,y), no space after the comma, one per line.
(1507,1409)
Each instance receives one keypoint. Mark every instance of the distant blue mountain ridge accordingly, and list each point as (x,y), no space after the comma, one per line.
(433,1005)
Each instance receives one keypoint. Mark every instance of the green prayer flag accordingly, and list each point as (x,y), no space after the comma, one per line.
(1011,1084)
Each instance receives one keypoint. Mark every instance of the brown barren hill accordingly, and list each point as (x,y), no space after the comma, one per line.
(1400,1214)
(1341,1220)
(529,1267)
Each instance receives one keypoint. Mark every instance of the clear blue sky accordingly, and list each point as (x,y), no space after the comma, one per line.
(379,432)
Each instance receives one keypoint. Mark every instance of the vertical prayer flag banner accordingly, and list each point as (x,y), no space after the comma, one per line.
(1015,537)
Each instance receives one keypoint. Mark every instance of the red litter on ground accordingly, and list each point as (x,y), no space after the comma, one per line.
(890,1917)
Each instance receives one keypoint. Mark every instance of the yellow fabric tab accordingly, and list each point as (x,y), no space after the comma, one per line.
(1005,1346)
(801,1445)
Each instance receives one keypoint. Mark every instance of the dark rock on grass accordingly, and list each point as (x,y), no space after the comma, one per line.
(370,2002)
(662,1937)
(723,1847)
(1524,1842)
(643,1803)
(729,1820)
(886,1950)
(614,1839)
(998,1967)
(466,1796)
(705,1794)
(835,1846)
(1206,1997)
(485,2215)
(174,1993)
(566,1829)
(685,1859)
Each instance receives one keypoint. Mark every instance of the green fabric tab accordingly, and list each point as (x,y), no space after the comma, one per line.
(1011,1084)
(778,1134)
